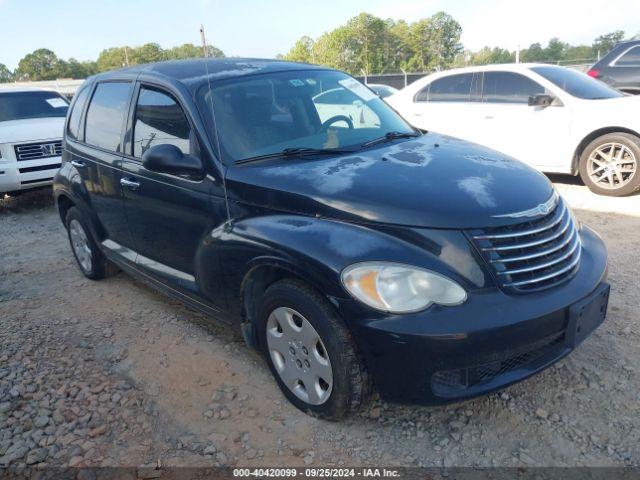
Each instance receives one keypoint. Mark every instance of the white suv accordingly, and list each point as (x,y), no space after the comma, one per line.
(31,125)
(553,118)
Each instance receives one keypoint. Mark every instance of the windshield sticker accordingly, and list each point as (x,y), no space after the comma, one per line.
(359,89)
(56,102)
(296,82)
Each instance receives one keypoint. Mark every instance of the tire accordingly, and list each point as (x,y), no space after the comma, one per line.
(350,386)
(631,181)
(91,261)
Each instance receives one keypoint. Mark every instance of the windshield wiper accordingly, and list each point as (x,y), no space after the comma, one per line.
(295,152)
(390,136)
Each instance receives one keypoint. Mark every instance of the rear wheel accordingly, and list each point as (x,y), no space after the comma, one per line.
(310,352)
(609,164)
(93,264)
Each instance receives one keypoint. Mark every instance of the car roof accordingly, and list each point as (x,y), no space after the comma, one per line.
(22,89)
(510,67)
(199,70)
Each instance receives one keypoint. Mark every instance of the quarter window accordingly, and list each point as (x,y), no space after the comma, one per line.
(630,59)
(507,87)
(105,115)
(159,120)
(76,112)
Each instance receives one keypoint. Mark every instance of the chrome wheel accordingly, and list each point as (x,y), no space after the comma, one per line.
(611,166)
(299,356)
(80,245)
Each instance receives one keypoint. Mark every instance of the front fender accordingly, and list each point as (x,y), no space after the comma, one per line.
(318,250)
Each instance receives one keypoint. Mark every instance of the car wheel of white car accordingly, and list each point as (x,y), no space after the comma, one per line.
(609,164)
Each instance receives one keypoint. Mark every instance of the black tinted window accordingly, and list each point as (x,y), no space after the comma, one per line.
(22,105)
(159,120)
(106,114)
(76,112)
(507,87)
(630,59)
(454,88)
(338,96)
(577,83)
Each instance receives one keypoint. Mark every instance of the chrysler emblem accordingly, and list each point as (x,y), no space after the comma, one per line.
(542,209)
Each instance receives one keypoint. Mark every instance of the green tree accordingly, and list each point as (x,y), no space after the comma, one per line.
(604,43)
(41,64)
(555,50)
(302,51)
(6,75)
(535,53)
(488,55)
(147,53)
(435,42)
(112,58)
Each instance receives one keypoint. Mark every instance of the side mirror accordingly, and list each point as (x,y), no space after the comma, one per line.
(541,100)
(167,158)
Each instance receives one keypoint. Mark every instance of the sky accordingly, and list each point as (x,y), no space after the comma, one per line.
(264,28)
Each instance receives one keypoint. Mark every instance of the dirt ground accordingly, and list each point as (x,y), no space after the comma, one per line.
(113,373)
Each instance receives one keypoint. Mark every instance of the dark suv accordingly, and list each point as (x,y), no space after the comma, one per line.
(620,68)
(351,249)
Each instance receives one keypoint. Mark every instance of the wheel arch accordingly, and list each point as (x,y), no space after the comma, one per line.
(261,275)
(64,204)
(590,138)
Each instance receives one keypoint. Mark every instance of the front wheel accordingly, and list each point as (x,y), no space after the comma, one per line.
(609,164)
(310,352)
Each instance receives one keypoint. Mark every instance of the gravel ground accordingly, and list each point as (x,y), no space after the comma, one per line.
(112,373)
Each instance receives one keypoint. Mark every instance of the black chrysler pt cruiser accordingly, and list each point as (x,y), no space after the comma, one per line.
(352,250)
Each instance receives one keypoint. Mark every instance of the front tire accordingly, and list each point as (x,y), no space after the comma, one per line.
(92,262)
(609,164)
(311,352)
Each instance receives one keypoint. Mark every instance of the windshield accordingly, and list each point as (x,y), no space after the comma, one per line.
(576,83)
(264,114)
(21,105)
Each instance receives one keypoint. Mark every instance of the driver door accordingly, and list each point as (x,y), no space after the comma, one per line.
(169,216)
(533,134)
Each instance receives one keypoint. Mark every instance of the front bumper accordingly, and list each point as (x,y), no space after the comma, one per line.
(494,339)
(15,176)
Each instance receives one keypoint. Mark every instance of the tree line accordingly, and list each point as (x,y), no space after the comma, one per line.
(364,44)
(43,64)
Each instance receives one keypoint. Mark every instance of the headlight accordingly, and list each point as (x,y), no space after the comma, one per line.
(398,288)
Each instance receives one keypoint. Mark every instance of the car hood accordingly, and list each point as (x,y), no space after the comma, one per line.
(431,181)
(31,129)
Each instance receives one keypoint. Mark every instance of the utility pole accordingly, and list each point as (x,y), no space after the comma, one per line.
(204,42)
(126,55)
(518,54)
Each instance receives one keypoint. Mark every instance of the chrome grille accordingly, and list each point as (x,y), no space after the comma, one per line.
(532,255)
(32,151)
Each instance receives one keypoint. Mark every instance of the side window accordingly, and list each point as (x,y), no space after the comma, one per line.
(422,95)
(105,115)
(630,59)
(76,112)
(507,87)
(454,88)
(159,119)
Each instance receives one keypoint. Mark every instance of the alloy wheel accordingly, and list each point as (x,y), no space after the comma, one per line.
(299,356)
(611,165)
(80,245)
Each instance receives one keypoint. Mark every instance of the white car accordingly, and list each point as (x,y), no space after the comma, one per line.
(555,119)
(350,107)
(31,125)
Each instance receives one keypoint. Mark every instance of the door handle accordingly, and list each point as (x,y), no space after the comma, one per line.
(130,184)
(78,163)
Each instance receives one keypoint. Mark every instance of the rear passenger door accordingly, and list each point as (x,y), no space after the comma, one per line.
(96,153)
(624,71)
(450,105)
(170,216)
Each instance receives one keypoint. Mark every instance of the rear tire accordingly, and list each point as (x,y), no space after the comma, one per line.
(609,164)
(323,337)
(91,261)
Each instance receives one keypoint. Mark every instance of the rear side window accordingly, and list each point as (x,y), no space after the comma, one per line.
(76,113)
(507,87)
(453,88)
(105,115)
(159,120)
(630,59)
